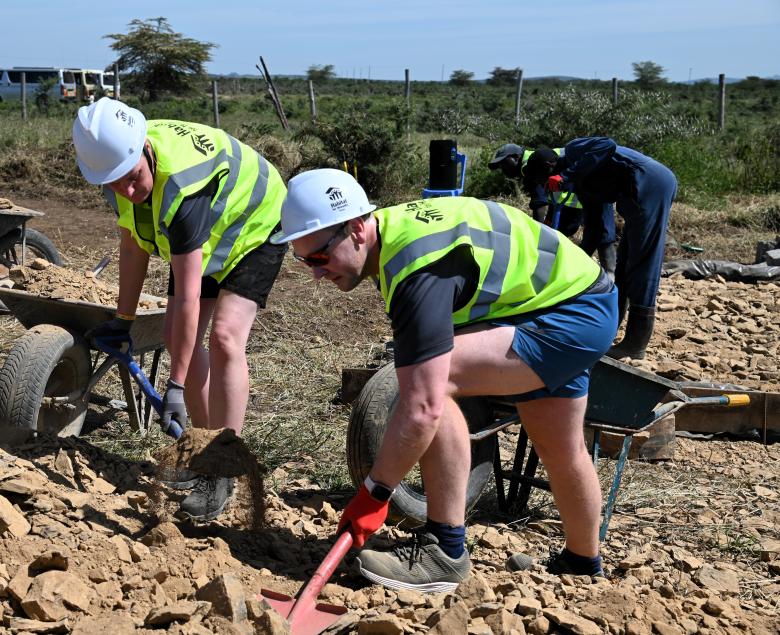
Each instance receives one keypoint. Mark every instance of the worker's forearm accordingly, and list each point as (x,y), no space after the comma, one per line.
(133,264)
(183,335)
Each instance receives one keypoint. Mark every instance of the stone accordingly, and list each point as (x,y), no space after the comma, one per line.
(505,622)
(163,534)
(54,594)
(538,626)
(271,623)
(177,612)
(380,625)
(714,579)
(574,623)
(22,625)
(12,521)
(227,597)
(115,624)
(53,559)
(122,548)
(475,591)
(452,620)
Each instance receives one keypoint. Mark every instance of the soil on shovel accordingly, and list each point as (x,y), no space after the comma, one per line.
(220,453)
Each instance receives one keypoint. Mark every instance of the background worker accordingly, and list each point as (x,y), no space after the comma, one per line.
(206,203)
(598,170)
(597,219)
(483,300)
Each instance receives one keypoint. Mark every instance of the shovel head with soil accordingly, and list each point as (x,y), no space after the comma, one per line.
(302,612)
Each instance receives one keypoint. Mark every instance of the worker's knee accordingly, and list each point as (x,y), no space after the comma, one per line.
(224,341)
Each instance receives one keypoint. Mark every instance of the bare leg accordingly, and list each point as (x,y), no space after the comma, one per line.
(555,429)
(445,468)
(196,394)
(229,386)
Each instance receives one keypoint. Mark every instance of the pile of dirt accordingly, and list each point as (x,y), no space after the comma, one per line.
(82,550)
(219,453)
(46,280)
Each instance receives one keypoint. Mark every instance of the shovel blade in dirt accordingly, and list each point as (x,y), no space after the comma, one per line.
(304,615)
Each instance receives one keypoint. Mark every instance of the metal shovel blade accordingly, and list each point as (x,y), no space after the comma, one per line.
(304,615)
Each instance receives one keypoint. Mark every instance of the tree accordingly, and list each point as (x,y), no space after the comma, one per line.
(648,74)
(461,77)
(317,73)
(159,59)
(503,76)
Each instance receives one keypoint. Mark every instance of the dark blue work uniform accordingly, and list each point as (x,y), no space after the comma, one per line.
(599,172)
(597,219)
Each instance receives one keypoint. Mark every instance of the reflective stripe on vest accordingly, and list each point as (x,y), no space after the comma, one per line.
(523,265)
(498,241)
(248,188)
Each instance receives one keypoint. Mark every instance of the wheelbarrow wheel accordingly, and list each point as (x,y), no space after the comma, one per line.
(38,246)
(47,361)
(370,414)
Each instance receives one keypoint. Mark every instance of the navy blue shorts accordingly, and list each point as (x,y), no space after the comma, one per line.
(563,343)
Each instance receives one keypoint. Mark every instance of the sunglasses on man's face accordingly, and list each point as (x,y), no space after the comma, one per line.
(321,257)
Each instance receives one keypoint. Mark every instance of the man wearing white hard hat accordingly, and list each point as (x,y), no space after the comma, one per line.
(483,300)
(207,204)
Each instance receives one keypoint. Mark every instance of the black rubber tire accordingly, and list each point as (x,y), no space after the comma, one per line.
(368,420)
(47,361)
(37,242)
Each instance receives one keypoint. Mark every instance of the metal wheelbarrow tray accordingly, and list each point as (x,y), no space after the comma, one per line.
(48,377)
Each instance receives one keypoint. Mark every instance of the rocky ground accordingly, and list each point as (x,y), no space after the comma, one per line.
(89,542)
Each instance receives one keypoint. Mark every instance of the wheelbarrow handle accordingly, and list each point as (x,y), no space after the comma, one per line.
(172,428)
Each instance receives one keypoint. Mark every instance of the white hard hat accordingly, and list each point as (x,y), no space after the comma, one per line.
(318,199)
(109,138)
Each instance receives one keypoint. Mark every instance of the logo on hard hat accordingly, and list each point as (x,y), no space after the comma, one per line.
(123,116)
(338,202)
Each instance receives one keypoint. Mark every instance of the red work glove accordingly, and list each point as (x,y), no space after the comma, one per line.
(554,183)
(364,515)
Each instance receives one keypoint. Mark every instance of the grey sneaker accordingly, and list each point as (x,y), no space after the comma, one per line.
(177,479)
(418,565)
(208,498)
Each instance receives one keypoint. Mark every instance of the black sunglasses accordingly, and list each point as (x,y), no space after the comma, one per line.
(321,257)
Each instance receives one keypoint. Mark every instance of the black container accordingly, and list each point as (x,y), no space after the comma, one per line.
(443,169)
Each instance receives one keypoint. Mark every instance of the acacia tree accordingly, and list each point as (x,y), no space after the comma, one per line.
(503,76)
(317,73)
(648,74)
(158,59)
(461,77)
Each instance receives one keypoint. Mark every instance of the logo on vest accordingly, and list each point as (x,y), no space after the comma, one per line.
(424,211)
(337,200)
(202,144)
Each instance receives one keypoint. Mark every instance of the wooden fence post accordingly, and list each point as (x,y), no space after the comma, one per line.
(518,94)
(614,91)
(274,95)
(408,98)
(116,81)
(312,102)
(24,96)
(215,101)
(721,101)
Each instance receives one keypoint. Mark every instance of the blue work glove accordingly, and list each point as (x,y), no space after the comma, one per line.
(173,407)
(117,328)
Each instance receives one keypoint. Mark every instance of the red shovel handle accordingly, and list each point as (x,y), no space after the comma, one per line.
(308,594)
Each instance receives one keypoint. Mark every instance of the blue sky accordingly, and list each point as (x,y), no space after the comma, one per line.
(582,38)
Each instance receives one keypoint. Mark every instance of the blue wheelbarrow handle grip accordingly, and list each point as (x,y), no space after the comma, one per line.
(172,428)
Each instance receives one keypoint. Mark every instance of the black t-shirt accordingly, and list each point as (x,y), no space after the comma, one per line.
(423,304)
(191,226)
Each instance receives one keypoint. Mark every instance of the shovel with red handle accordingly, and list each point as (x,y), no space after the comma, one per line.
(304,615)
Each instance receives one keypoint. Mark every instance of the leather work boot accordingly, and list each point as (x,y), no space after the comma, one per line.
(639,329)
(418,564)
(208,499)
(608,260)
